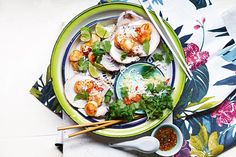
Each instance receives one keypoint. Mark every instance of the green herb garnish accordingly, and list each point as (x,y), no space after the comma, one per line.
(123,56)
(118,110)
(124,92)
(106,45)
(83,94)
(147,71)
(166,51)
(146,46)
(83,65)
(158,57)
(160,100)
(108,96)
(98,51)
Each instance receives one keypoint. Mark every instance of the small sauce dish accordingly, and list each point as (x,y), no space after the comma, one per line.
(170,138)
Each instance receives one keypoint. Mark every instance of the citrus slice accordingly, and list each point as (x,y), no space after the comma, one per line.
(85,34)
(101,31)
(93,71)
(99,66)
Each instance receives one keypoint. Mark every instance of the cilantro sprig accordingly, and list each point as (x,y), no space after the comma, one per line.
(163,54)
(100,48)
(83,65)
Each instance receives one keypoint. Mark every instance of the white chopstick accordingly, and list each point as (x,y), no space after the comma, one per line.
(168,41)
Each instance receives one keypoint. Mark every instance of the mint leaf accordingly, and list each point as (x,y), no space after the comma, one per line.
(146,46)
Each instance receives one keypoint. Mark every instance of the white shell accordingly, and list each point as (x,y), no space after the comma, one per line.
(70,93)
(154,42)
(109,63)
(116,55)
(123,20)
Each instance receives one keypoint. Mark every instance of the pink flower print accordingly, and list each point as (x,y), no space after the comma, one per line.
(225,113)
(196,27)
(194,57)
(203,20)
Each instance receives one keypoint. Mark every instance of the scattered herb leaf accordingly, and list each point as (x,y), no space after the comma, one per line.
(158,57)
(82,95)
(83,65)
(108,96)
(123,56)
(147,71)
(107,46)
(166,51)
(146,46)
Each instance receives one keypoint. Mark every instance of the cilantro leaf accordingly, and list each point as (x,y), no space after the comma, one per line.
(108,95)
(83,65)
(98,51)
(166,51)
(118,110)
(158,57)
(123,56)
(107,45)
(146,46)
(83,94)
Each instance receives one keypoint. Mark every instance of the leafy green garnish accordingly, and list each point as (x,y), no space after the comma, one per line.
(147,71)
(118,110)
(123,56)
(158,57)
(108,96)
(106,45)
(160,100)
(168,55)
(83,65)
(98,51)
(146,46)
(84,95)
(157,99)
(163,54)
(124,92)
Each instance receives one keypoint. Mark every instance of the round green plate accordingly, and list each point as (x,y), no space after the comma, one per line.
(89,15)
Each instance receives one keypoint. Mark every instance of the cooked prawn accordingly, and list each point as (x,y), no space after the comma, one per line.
(144,33)
(79,85)
(91,108)
(125,43)
(76,55)
(97,98)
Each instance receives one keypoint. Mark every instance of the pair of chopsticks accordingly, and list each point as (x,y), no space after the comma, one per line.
(162,29)
(91,126)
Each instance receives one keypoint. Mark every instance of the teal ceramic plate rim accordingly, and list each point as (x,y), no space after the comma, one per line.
(57,75)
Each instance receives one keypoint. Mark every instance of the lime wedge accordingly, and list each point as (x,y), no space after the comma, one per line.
(99,66)
(93,71)
(101,31)
(85,34)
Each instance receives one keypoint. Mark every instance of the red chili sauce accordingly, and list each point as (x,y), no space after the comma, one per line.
(167,138)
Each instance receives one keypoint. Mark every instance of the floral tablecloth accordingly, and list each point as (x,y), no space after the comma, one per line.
(207,130)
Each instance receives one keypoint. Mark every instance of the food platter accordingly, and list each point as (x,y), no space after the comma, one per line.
(61,70)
